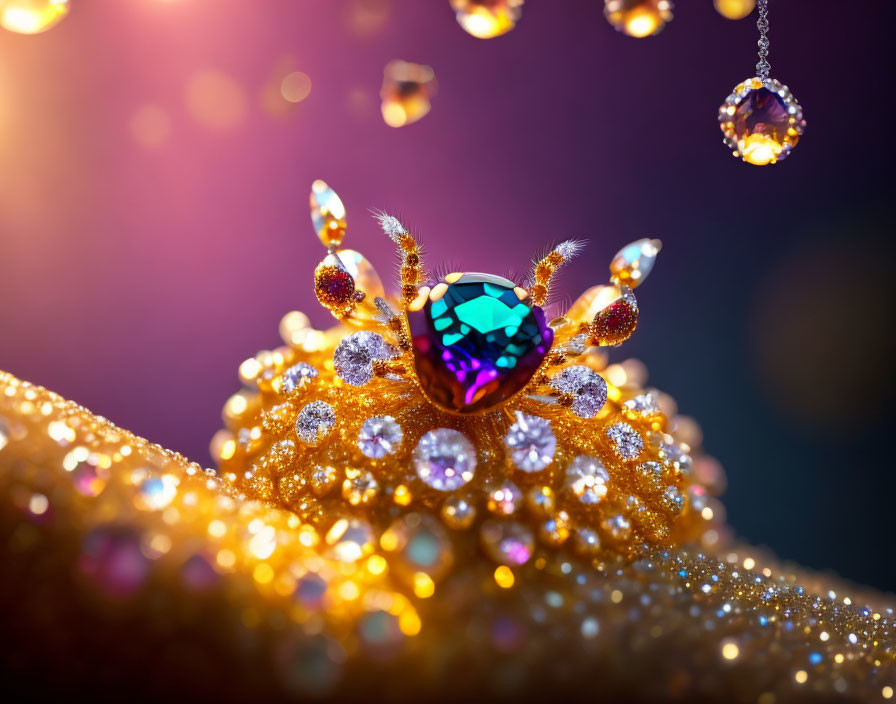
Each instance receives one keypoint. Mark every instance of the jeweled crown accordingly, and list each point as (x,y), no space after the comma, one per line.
(459,398)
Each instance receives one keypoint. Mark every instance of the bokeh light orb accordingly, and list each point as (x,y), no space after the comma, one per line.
(31,16)
(485,19)
(295,87)
(734,9)
(638,18)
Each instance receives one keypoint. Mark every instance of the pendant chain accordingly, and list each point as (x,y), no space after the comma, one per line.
(763,67)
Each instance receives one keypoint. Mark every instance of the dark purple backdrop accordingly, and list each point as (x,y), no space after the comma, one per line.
(135,280)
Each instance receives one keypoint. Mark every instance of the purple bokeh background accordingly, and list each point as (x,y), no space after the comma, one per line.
(135,280)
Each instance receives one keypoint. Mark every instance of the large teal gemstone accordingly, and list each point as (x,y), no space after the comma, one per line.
(478,344)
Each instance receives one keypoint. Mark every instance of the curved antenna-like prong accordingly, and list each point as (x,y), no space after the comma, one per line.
(409,248)
(545,269)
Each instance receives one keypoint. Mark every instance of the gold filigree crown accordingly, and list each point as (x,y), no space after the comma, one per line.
(457,398)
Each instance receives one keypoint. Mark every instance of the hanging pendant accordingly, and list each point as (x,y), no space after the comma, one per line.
(761,120)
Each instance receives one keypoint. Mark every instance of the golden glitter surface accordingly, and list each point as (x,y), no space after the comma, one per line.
(357,540)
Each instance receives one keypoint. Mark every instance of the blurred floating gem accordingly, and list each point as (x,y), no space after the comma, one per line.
(216,100)
(406,92)
(507,542)
(634,262)
(31,16)
(638,18)
(295,87)
(734,9)
(150,126)
(4,434)
(761,121)
(327,214)
(485,19)
(362,271)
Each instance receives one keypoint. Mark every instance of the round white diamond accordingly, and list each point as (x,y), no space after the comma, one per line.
(587,388)
(587,479)
(651,475)
(354,356)
(444,459)
(673,499)
(315,422)
(645,404)
(618,527)
(297,376)
(626,440)
(531,442)
(380,436)
(674,453)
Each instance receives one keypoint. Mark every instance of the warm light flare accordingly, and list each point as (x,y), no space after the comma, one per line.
(31,16)
(485,19)
(759,149)
(638,18)
(734,9)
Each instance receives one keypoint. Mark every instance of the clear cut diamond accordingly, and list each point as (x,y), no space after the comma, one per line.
(297,376)
(587,479)
(380,436)
(531,442)
(315,421)
(586,387)
(444,459)
(627,443)
(355,355)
